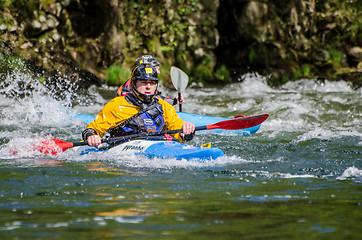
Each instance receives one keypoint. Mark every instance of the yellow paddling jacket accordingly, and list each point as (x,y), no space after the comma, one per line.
(119,109)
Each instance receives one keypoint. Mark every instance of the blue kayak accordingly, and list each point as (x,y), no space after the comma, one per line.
(197,119)
(156,149)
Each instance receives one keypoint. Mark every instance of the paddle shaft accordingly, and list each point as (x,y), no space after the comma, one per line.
(232,124)
(179,90)
(179,99)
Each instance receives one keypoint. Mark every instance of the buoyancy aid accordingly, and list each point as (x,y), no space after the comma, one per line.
(124,89)
(149,119)
(119,109)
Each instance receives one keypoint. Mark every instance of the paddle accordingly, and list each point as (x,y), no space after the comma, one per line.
(54,146)
(179,80)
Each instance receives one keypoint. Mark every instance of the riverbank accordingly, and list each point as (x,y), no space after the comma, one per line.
(215,42)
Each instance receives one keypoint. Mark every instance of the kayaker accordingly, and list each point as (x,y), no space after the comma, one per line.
(137,112)
(125,89)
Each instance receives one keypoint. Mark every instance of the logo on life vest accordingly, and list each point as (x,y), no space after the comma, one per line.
(148,121)
(151,128)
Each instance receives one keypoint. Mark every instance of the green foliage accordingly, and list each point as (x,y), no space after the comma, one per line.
(345,15)
(205,72)
(201,74)
(334,55)
(10,63)
(164,76)
(153,45)
(273,80)
(42,79)
(277,79)
(252,55)
(223,74)
(167,49)
(27,7)
(116,75)
(302,72)
(285,79)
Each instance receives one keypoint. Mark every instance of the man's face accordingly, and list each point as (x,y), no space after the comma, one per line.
(147,87)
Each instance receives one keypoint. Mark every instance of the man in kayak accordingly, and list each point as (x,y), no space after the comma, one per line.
(137,112)
(125,89)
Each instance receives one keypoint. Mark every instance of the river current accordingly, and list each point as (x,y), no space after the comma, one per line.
(298,177)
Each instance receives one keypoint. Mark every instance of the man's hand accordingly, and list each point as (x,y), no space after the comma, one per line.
(181,100)
(94,140)
(188,130)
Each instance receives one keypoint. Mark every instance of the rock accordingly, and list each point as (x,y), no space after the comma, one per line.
(354,56)
(36,24)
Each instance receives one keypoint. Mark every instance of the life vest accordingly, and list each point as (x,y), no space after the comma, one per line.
(124,89)
(149,119)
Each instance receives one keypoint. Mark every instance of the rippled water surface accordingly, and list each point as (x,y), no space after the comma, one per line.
(298,177)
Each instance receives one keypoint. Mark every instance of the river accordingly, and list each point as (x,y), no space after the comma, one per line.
(298,177)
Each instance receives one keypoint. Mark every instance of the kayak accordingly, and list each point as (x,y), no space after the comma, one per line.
(150,144)
(197,119)
(153,148)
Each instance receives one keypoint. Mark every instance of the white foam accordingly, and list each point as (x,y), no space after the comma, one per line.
(34,104)
(323,133)
(319,86)
(140,161)
(351,172)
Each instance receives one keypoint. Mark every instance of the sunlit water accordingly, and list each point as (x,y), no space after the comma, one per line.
(298,177)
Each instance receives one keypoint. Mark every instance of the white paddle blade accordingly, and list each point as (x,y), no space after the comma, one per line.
(179,78)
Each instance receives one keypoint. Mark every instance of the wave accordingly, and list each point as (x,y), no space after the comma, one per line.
(351,173)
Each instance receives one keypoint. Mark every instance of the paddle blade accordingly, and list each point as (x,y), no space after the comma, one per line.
(52,147)
(179,78)
(239,123)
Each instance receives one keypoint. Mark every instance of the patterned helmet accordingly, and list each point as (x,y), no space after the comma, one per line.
(147,59)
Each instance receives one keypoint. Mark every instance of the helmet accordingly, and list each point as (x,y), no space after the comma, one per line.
(147,59)
(143,72)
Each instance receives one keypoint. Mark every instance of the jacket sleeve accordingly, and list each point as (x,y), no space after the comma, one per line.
(172,120)
(111,115)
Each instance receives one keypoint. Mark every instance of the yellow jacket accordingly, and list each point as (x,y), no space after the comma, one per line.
(119,109)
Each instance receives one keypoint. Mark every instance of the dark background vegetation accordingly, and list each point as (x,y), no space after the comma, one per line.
(214,41)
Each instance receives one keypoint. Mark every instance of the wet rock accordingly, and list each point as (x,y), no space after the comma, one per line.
(359,67)
(355,56)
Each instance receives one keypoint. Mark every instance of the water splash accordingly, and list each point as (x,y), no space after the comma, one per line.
(300,112)
(351,173)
